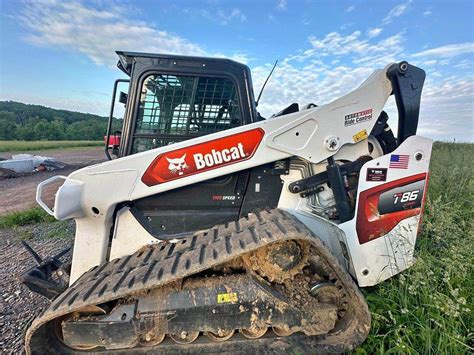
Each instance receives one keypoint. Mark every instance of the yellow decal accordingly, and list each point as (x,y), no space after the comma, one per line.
(227,297)
(360,136)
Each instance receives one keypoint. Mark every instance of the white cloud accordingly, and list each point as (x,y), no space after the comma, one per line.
(345,26)
(354,44)
(430,62)
(374,32)
(281,5)
(97,33)
(335,64)
(427,13)
(447,107)
(217,15)
(464,64)
(328,68)
(396,12)
(350,9)
(225,17)
(450,50)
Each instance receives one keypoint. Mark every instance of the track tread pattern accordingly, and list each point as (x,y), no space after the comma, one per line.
(162,263)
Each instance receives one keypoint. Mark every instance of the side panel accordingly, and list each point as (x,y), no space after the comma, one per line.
(125,226)
(381,236)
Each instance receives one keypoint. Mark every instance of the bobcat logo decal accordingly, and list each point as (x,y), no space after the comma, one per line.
(177,165)
(202,157)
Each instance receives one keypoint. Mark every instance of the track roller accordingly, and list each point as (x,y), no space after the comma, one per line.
(185,337)
(254,333)
(281,332)
(222,335)
(150,339)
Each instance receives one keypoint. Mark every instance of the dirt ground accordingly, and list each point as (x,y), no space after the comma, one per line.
(19,193)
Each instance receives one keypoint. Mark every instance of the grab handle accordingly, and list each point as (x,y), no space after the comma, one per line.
(39,192)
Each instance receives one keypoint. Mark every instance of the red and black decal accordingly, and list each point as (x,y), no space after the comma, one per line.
(376,174)
(381,208)
(202,157)
(357,117)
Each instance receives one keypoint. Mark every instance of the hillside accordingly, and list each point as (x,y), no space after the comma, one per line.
(19,121)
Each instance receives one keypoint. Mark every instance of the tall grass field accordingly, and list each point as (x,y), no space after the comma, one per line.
(22,146)
(428,309)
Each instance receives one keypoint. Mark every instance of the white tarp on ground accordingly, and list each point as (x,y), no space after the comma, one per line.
(25,163)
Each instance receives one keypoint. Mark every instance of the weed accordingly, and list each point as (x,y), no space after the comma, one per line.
(22,218)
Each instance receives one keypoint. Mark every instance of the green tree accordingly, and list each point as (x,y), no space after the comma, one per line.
(34,122)
(56,130)
(41,129)
(26,132)
(7,129)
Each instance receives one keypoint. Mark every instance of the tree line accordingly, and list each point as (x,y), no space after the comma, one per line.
(20,121)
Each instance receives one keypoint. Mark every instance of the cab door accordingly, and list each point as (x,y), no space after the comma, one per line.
(174,108)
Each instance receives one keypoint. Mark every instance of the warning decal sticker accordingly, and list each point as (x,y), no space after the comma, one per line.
(357,117)
(230,297)
(376,174)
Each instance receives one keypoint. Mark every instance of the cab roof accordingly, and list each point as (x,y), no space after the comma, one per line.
(127,59)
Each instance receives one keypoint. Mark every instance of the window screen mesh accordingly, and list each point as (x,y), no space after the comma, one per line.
(173,108)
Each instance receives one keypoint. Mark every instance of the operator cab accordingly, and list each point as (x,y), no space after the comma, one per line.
(174,98)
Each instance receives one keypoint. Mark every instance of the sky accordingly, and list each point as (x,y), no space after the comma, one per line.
(61,54)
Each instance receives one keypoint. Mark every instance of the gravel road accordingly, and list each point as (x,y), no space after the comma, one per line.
(19,306)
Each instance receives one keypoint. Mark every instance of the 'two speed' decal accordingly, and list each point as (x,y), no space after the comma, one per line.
(202,157)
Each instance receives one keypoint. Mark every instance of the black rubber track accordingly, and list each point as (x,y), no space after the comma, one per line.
(156,266)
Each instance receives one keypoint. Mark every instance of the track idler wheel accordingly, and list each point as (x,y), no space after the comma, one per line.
(185,337)
(221,335)
(85,311)
(254,333)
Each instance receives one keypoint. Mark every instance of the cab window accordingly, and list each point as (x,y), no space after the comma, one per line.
(173,108)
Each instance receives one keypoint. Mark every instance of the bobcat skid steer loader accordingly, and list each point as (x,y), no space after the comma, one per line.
(217,230)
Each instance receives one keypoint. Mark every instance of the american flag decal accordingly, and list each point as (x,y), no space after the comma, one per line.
(399,161)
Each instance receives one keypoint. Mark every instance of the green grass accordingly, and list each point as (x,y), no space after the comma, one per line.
(24,223)
(26,217)
(428,308)
(21,146)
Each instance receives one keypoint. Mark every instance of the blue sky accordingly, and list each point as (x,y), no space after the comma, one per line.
(61,53)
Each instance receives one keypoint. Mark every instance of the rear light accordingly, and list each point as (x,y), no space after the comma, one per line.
(381,208)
